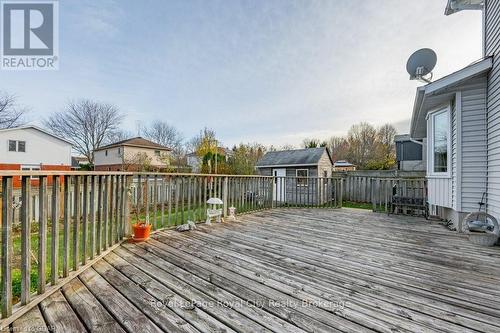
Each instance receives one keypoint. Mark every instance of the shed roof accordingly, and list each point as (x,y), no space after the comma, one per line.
(295,157)
(135,142)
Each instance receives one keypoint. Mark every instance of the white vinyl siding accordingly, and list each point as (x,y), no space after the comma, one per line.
(439,192)
(492,47)
(473,144)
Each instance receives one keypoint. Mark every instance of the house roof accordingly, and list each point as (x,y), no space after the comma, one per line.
(296,157)
(37,129)
(135,142)
(342,163)
(454,6)
(441,91)
(402,137)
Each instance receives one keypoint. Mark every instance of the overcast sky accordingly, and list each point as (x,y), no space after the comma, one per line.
(264,71)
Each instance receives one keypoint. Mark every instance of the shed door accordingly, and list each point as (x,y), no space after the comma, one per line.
(279,191)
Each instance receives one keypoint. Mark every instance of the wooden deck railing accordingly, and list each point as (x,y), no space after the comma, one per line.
(55,224)
(381,191)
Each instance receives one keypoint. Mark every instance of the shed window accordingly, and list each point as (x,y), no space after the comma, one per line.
(302,175)
(440,142)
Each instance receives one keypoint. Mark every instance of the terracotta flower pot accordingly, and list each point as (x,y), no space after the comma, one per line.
(141,232)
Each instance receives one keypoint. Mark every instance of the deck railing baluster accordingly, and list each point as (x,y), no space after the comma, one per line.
(54,257)
(76,224)
(25,239)
(92,218)
(42,234)
(155,203)
(85,219)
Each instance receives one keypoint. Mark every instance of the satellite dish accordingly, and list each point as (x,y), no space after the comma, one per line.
(420,64)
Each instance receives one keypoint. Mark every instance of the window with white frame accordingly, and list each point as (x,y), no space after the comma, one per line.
(439,148)
(302,175)
(18,146)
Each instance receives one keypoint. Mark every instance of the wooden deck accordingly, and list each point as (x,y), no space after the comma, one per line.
(285,270)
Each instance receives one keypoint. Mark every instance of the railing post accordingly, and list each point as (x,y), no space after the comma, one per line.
(6,298)
(128,205)
(341,192)
(66,231)
(372,194)
(224,196)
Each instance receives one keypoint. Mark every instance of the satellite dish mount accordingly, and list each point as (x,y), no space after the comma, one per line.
(420,65)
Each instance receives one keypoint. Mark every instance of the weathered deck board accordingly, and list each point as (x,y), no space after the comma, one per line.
(88,308)
(393,274)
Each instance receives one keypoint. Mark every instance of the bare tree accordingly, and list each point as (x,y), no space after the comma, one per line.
(206,135)
(86,123)
(339,147)
(166,135)
(386,149)
(11,114)
(163,134)
(314,143)
(362,141)
(118,135)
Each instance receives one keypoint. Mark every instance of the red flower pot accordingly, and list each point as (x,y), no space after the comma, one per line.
(141,232)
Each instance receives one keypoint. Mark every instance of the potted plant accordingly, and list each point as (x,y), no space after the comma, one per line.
(141,229)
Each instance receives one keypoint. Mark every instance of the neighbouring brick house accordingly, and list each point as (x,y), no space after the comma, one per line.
(33,148)
(132,155)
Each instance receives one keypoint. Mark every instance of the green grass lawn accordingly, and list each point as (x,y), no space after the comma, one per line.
(360,205)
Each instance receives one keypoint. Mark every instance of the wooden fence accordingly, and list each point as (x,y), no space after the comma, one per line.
(382,191)
(52,231)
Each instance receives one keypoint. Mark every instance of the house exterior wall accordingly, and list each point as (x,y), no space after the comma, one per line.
(41,148)
(156,161)
(473,157)
(492,48)
(325,165)
(463,189)
(16,181)
(116,157)
(108,156)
